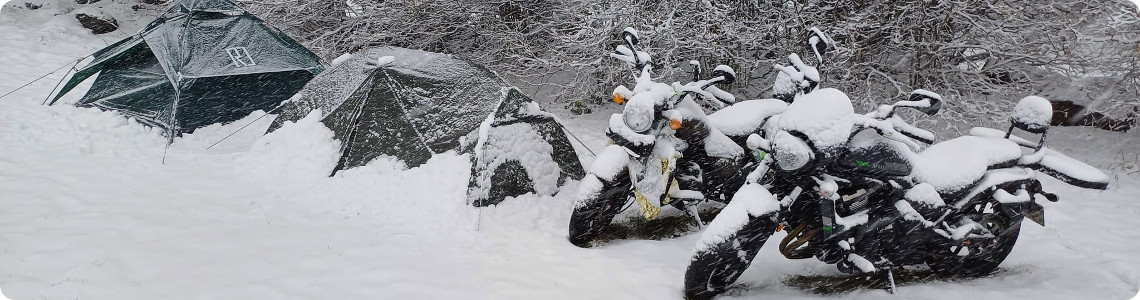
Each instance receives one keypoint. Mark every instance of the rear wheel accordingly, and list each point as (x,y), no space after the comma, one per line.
(593,213)
(978,258)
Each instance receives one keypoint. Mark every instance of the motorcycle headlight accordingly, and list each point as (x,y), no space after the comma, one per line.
(791,152)
(638,115)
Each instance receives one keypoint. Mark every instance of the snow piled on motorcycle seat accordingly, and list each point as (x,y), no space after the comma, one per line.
(716,143)
(751,201)
(746,117)
(825,116)
(957,163)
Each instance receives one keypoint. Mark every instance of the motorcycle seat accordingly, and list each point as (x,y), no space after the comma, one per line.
(744,118)
(957,164)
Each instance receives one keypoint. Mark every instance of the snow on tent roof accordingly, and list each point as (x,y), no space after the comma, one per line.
(411,104)
(443,97)
(201,62)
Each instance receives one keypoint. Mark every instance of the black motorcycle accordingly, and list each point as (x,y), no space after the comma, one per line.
(875,204)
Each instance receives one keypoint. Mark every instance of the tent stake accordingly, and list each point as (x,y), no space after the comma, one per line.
(164,153)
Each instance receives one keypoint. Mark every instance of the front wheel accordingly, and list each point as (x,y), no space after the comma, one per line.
(597,204)
(730,242)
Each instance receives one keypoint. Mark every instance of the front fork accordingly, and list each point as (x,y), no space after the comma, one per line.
(685,187)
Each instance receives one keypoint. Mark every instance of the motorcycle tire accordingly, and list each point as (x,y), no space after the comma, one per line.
(591,216)
(980,261)
(712,270)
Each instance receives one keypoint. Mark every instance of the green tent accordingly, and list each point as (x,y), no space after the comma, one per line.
(411,104)
(201,62)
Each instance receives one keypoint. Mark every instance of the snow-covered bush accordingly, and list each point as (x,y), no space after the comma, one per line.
(981,55)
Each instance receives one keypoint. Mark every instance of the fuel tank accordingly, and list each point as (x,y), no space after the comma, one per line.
(869,154)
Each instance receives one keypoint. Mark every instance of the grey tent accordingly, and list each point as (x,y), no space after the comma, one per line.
(199,63)
(410,104)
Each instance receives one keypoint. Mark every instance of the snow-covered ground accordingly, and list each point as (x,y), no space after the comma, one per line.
(89,211)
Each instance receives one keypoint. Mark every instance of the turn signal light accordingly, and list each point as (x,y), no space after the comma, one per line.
(675,124)
(618,98)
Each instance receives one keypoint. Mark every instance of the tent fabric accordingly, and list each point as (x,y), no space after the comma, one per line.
(202,62)
(410,104)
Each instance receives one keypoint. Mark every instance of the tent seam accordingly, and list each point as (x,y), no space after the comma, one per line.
(404,114)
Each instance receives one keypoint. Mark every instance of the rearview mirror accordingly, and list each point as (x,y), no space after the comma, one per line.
(1032,114)
(819,43)
(924,101)
(629,35)
(696,65)
(724,71)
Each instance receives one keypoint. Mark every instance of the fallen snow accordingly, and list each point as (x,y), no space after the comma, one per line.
(518,142)
(611,161)
(1005,197)
(925,194)
(751,201)
(959,162)
(746,117)
(825,116)
(90,212)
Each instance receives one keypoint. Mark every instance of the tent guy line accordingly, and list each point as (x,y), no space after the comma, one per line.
(244,126)
(62,79)
(44,76)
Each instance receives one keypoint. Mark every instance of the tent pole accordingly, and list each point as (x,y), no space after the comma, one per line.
(173,120)
(41,77)
(60,82)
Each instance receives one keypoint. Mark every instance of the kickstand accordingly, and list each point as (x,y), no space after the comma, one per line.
(691,210)
(890,282)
